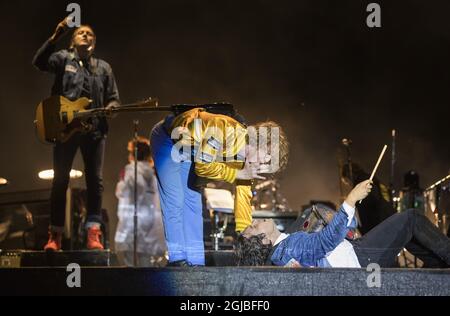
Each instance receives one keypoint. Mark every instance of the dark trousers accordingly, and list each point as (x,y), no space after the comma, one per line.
(92,151)
(410,230)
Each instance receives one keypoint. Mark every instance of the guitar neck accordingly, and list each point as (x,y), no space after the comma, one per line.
(134,108)
(217,108)
(122,109)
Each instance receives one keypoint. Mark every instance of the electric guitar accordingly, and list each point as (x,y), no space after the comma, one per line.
(58,119)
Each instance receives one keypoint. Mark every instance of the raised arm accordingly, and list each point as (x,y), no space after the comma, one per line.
(334,233)
(45,58)
(309,248)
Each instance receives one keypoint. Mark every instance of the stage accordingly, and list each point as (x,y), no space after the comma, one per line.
(223,281)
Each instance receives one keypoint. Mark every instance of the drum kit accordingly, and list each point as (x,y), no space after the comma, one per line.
(267,197)
(437,203)
(313,218)
(434,202)
(267,202)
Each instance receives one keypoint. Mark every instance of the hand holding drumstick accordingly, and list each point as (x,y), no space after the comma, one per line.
(359,192)
(362,190)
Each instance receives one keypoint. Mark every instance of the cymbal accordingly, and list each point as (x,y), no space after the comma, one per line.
(273,214)
(3,182)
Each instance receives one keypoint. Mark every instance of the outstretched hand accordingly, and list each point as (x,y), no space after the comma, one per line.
(249,172)
(359,192)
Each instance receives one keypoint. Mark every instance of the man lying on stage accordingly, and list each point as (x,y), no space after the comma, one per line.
(197,143)
(262,243)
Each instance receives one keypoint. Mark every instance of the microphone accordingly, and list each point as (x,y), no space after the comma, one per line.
(346,142)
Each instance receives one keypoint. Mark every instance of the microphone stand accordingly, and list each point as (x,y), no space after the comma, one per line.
(347,143)
(392,176)
(135,258)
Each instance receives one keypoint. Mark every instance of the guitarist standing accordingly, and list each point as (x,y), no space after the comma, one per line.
(78,74)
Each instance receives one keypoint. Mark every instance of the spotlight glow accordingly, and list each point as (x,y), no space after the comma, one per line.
(3,181)
(49,174)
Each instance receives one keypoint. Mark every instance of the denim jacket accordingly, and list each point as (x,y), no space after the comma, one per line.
(310,248)
(70,78)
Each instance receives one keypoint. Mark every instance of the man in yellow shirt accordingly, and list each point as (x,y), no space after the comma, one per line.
(197,143)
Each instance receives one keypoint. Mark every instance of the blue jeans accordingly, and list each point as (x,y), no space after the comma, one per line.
(181,203)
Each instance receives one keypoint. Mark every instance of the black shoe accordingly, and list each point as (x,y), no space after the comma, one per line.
(179,263)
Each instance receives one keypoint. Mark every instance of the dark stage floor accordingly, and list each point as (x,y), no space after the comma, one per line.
(222,281)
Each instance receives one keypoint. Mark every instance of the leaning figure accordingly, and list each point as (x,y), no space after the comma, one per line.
(195,145)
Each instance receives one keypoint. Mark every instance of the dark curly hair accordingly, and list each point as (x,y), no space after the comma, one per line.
(251,251)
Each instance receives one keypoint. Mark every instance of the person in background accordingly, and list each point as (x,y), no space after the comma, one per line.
(151,245)
(377,206)
(411,195)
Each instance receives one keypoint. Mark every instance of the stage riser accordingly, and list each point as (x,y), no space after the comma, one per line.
(22,258)
(28,259)
(212,281)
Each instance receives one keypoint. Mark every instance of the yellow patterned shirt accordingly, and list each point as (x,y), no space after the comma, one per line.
(216,142)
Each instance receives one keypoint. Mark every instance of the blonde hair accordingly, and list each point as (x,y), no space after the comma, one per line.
(283,141)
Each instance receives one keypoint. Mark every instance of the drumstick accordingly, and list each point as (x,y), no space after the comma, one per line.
(378,162)
(376,166)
